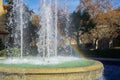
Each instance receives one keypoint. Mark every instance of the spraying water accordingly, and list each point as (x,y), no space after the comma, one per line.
(53,35)
(47,33)
(18,21)
(50,41)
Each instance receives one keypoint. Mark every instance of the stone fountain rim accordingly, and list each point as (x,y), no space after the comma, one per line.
(96,66)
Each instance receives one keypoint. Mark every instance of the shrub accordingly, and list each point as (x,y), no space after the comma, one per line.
(15,52)
(2,53)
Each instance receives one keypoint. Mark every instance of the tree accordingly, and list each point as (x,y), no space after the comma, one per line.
(9,1)
(86,15)
(109,19)
(81,23)
(31,24)
(95,7)
(62,21)
(35,20)
(102,32)
(103,15)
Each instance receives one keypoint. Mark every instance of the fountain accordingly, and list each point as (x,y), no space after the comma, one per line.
(56,60)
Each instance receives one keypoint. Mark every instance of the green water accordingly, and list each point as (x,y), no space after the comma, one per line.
(69,64)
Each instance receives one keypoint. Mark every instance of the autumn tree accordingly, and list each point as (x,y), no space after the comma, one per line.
(108,27)
(96,7)
(84,18)
(35,20)
(103,15)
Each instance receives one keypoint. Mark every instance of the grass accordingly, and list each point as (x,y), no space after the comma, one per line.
(70,64)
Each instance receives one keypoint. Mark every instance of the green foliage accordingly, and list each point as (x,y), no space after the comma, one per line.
(2,53)
(82,21)
(76,17)
(9,1)
(1,45)
(87,23)
(13,52)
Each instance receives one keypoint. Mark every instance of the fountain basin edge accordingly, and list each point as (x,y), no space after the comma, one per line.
(92,72)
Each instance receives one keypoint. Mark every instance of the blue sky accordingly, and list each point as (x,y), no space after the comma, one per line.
(72,4)
(34,4)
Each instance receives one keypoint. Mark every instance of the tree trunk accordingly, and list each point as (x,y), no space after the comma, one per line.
(96,44)
(110,43)
(77,39)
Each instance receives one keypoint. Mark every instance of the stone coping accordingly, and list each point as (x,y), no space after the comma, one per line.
(96,66)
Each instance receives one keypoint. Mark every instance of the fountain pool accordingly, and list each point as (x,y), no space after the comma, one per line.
(53,62)
(57,69)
